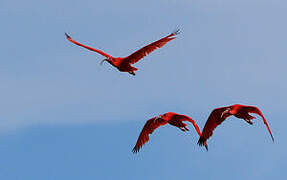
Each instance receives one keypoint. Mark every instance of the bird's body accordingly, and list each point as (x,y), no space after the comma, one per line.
(218,115)
(125,64)
(121,65)
(171,118)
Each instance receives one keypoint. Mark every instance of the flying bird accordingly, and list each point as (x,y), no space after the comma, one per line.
(167,118)
(124,64)
(218,115)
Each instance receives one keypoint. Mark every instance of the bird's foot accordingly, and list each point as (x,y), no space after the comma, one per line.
(132,73)
(249,122)
(184,129)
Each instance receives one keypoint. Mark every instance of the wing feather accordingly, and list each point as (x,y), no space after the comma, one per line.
(212,122)
(87,47)
(148,128)
(186,118)
(253,109)
(189,119)
(141,53)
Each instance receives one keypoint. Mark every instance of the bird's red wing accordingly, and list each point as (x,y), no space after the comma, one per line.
(139,54)
(253,109)
(212,122)
(186,118)
(87,47)
(196,128)
(148,128)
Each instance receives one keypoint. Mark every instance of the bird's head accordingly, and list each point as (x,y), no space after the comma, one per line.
(110,60)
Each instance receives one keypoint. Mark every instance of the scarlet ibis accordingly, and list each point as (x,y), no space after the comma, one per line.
(218,115)
(155,122)
(124,64)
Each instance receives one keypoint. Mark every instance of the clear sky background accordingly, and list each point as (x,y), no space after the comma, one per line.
(63,116)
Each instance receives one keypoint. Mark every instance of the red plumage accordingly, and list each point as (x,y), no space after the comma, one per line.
(124,64)
(167,118)
(218,115)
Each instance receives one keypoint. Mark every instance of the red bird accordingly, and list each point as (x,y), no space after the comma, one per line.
(167,118)
(124,64)
(218,115)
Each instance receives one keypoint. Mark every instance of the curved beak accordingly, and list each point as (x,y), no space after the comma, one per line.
(225,112)
(101,63)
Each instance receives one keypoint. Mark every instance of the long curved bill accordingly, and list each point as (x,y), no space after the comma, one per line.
(102,62)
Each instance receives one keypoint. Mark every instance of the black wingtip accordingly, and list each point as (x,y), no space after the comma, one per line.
(272,138)
(176,32)
(202,142)
(206,147)
(136,150)
(67,36)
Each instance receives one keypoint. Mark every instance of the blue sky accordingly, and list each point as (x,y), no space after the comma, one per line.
(63,116)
